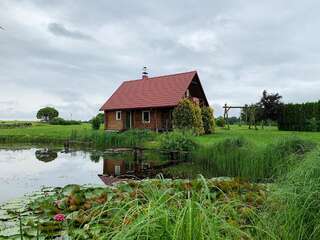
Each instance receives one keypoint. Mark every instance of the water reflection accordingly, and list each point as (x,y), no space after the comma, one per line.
(46,155)
(137,164)
(24,170)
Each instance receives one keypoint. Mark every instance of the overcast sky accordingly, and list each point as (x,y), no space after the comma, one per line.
(73,54)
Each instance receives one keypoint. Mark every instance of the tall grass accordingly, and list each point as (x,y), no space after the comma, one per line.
(238,157)
(101,139)
(157,209)
(294,209)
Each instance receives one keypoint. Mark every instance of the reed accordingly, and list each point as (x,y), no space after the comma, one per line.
(238,157)
(293,209)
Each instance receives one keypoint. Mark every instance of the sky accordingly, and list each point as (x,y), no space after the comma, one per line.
(73,54)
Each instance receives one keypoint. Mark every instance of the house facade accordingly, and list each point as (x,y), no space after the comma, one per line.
(147,103)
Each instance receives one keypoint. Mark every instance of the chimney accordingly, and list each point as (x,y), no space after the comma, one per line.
(144,73)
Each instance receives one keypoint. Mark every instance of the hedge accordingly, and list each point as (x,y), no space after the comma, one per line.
(300,117)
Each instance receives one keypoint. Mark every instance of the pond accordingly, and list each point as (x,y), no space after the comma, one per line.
(24,170)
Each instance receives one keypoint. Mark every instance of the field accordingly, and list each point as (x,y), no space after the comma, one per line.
(41,132)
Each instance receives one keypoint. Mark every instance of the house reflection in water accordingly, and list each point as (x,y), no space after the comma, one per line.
(114,167)
(115,170)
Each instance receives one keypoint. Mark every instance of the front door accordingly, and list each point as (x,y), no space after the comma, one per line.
(128,120)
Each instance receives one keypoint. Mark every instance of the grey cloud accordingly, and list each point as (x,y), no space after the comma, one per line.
(60,30)
(239,48)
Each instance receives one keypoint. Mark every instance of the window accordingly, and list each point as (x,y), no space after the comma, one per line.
(118,115)
(187,93)
(146,116)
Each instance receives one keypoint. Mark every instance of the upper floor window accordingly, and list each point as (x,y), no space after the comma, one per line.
(187,93)
(118,115)
(146,116)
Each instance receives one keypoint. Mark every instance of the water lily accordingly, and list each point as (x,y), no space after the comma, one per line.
(59,217)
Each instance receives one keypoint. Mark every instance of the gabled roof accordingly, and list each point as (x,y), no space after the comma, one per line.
(152,92)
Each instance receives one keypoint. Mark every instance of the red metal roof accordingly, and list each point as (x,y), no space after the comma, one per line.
(152,92)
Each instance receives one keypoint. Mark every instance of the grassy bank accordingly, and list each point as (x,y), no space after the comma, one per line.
(241,157)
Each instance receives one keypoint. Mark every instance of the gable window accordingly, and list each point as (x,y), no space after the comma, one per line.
(187,93)
(146,116)
(118,115)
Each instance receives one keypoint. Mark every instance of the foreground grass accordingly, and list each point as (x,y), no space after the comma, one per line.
(150,209)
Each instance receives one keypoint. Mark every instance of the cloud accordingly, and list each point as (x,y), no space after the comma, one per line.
(61,31)
(73,56)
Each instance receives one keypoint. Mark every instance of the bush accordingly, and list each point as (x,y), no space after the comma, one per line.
(177,141)
(61,121)
(207,119)
(187,116)
(8,125)
(95,123)
(220,122)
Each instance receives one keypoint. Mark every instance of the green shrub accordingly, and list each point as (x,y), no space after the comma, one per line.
(10,125)
(187,116)
(61,121)
(207,119)
(177,141)
(95,123)
(220,121)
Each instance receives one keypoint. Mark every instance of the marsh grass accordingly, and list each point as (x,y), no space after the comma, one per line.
(156,209)
(238,157)
(293,210)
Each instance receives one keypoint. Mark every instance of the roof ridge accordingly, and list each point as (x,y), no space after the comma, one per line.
(167,75)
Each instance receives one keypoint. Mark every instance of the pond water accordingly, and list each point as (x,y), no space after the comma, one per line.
(24,170)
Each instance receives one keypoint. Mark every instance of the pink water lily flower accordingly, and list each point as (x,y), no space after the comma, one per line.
(59,217)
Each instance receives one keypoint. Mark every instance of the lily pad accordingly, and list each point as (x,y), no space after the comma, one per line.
(10,232)
(4,215)
(68,189)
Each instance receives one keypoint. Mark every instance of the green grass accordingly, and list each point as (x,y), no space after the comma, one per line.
(260,137)
(240,157)
(41,132)
(150,209)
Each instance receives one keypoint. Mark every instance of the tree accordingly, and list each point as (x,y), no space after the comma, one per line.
(100,116)
(270,105)
(95,123)
(207,119)
(187,116)
(47,114)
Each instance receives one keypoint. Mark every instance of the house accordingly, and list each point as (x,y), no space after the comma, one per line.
(147,103)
